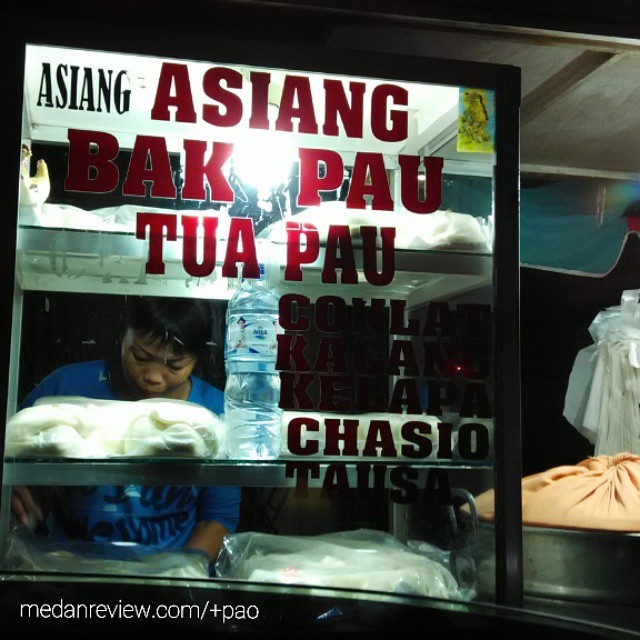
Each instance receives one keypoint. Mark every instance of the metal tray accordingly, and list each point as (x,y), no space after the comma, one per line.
(566,564)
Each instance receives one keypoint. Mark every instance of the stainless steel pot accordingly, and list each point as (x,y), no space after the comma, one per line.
(583,566)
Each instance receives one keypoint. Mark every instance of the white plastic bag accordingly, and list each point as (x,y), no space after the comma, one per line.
(603,393)
(362,559)
(29,552)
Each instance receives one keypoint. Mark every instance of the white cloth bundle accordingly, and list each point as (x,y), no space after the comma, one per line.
(440,229)
(77,427)
(182,428)
(603,392)
(362,560)
(121,218)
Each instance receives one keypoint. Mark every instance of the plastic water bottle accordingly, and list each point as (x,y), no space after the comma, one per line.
(252,391)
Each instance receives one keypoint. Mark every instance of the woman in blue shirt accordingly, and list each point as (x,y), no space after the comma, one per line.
(163,341)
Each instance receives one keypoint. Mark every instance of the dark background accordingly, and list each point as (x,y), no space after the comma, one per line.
(312,21)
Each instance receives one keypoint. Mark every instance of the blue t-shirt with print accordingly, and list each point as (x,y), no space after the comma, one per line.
(155,516)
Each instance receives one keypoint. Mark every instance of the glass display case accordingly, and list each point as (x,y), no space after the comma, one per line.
(178,174)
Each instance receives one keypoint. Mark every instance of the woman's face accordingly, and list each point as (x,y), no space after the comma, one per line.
(153,370)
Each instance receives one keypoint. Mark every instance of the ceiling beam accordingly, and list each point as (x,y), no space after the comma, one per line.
(562,82)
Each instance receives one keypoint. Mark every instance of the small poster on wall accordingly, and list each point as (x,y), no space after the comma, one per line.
(476,120)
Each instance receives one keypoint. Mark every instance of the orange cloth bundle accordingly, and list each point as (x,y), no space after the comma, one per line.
(599,493)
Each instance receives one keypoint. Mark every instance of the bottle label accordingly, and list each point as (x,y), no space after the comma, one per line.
(255,337)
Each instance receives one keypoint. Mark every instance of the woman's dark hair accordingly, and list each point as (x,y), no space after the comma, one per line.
(185,323)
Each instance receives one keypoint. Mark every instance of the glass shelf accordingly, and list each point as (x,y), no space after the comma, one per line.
(82,261)
(283,472)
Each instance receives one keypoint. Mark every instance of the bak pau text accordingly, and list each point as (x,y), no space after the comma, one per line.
(231,103)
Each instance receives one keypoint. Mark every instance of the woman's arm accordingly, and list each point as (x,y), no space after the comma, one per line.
(207,537)
(24,509)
